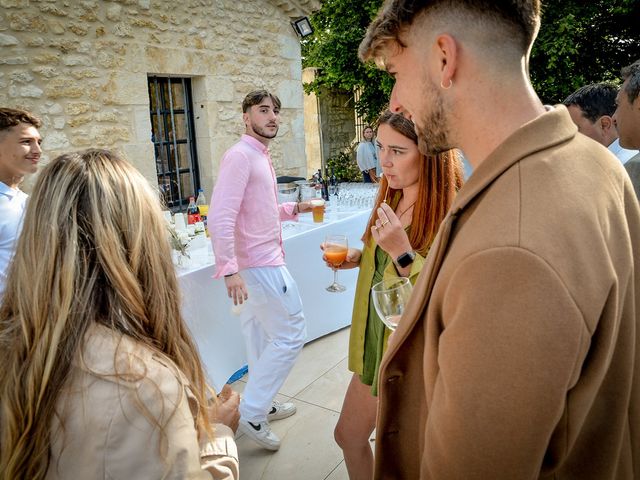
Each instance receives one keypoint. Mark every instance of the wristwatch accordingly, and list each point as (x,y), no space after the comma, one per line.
(405,259)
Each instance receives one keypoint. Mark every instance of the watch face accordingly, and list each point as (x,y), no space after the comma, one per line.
(405,259)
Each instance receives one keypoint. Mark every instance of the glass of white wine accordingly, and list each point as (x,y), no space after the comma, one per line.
(390,297)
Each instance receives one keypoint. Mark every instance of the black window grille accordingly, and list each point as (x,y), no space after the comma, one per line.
(359,121)
(173,137)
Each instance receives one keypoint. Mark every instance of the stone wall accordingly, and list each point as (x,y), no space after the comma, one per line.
(82,65)
(329,120)
(337,120)
(312,133)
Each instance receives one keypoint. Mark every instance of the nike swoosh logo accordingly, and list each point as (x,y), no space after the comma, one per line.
(257,428)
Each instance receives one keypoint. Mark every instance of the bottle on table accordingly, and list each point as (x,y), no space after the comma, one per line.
(324,188)
(318,183)
(203,208)
(193,214)
(333,183)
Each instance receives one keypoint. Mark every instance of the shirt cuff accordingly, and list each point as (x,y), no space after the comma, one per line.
(287,211)
(225,268)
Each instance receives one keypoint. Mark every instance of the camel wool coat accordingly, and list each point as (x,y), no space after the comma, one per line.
(518,356)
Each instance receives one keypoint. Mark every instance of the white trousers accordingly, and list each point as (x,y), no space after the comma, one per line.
(274,332)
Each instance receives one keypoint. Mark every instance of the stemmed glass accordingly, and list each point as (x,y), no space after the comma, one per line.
(390,297)
(335,251)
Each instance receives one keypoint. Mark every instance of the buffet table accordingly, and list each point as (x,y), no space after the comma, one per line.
(209,313)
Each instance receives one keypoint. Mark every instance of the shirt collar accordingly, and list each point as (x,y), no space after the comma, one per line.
(7,190)
(255,143)
(615,146)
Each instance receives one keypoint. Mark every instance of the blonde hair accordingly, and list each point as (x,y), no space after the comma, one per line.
(439,179)
(93,249)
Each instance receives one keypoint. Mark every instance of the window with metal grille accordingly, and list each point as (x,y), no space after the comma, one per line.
(360,123)
(173,139)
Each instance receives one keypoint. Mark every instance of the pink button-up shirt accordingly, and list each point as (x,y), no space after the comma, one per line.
(244,215)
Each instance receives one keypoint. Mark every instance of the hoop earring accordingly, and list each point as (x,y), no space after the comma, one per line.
(446,88)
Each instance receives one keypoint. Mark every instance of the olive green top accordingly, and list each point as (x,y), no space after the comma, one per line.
(362,298)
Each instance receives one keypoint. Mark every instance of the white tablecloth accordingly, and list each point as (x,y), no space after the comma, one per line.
(208,311)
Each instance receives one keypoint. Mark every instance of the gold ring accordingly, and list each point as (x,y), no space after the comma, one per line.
(384,223)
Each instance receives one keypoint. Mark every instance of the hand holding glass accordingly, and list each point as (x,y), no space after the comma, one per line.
(335,251)
(390,297)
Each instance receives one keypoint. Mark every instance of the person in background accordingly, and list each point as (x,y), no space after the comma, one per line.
(96,356)
(19,155)
(247,242)
(591,108)
(518,354)
(366,156)
(415,194)
(627,119)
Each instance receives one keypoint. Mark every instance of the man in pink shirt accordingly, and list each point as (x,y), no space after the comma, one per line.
(244,221)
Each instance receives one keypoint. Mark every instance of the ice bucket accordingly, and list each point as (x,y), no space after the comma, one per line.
(287,192)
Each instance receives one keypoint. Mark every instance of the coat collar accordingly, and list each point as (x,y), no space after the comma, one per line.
(545,131)
(549,129)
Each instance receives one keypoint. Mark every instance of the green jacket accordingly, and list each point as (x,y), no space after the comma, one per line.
(361,301)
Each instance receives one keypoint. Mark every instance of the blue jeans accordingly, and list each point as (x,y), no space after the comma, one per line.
(365,177)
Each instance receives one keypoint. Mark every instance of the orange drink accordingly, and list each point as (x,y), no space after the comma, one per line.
(317,207)
(335,251)
(336,254)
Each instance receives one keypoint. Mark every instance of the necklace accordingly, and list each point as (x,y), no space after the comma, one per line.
(405,210)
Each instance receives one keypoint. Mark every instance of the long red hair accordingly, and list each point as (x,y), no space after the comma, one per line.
(440,178)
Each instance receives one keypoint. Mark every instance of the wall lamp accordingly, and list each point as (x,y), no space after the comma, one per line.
(302,26)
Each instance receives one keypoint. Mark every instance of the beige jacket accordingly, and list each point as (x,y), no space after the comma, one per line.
(107,427)
(518,356)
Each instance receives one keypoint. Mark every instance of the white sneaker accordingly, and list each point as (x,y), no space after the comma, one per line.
(280,410)
(261,434)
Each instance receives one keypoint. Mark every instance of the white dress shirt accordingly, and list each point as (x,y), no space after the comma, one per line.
(623,154)
(12,205)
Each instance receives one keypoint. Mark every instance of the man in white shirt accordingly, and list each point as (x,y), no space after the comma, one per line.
(19,155)
(591,108)
(627,119)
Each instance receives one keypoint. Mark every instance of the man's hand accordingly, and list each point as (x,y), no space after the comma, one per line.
(225,409)
(305,206)
(236,288)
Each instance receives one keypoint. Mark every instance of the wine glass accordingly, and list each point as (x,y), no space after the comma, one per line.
(390,297)
(335,251)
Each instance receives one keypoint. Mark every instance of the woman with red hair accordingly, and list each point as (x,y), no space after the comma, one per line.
(415,194)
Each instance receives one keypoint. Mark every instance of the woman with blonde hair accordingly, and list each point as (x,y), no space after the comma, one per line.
(100,377)
(415,194)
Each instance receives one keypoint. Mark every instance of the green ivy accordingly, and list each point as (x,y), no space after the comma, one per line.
(579,42)
(344,166)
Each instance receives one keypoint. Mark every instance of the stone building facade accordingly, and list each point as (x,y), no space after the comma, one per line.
(330,123)
(84,67)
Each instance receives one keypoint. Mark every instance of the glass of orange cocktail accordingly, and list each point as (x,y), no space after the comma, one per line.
(335,252)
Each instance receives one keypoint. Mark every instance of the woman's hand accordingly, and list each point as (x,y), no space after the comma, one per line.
(352,260)
(389,233)
(225,409)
